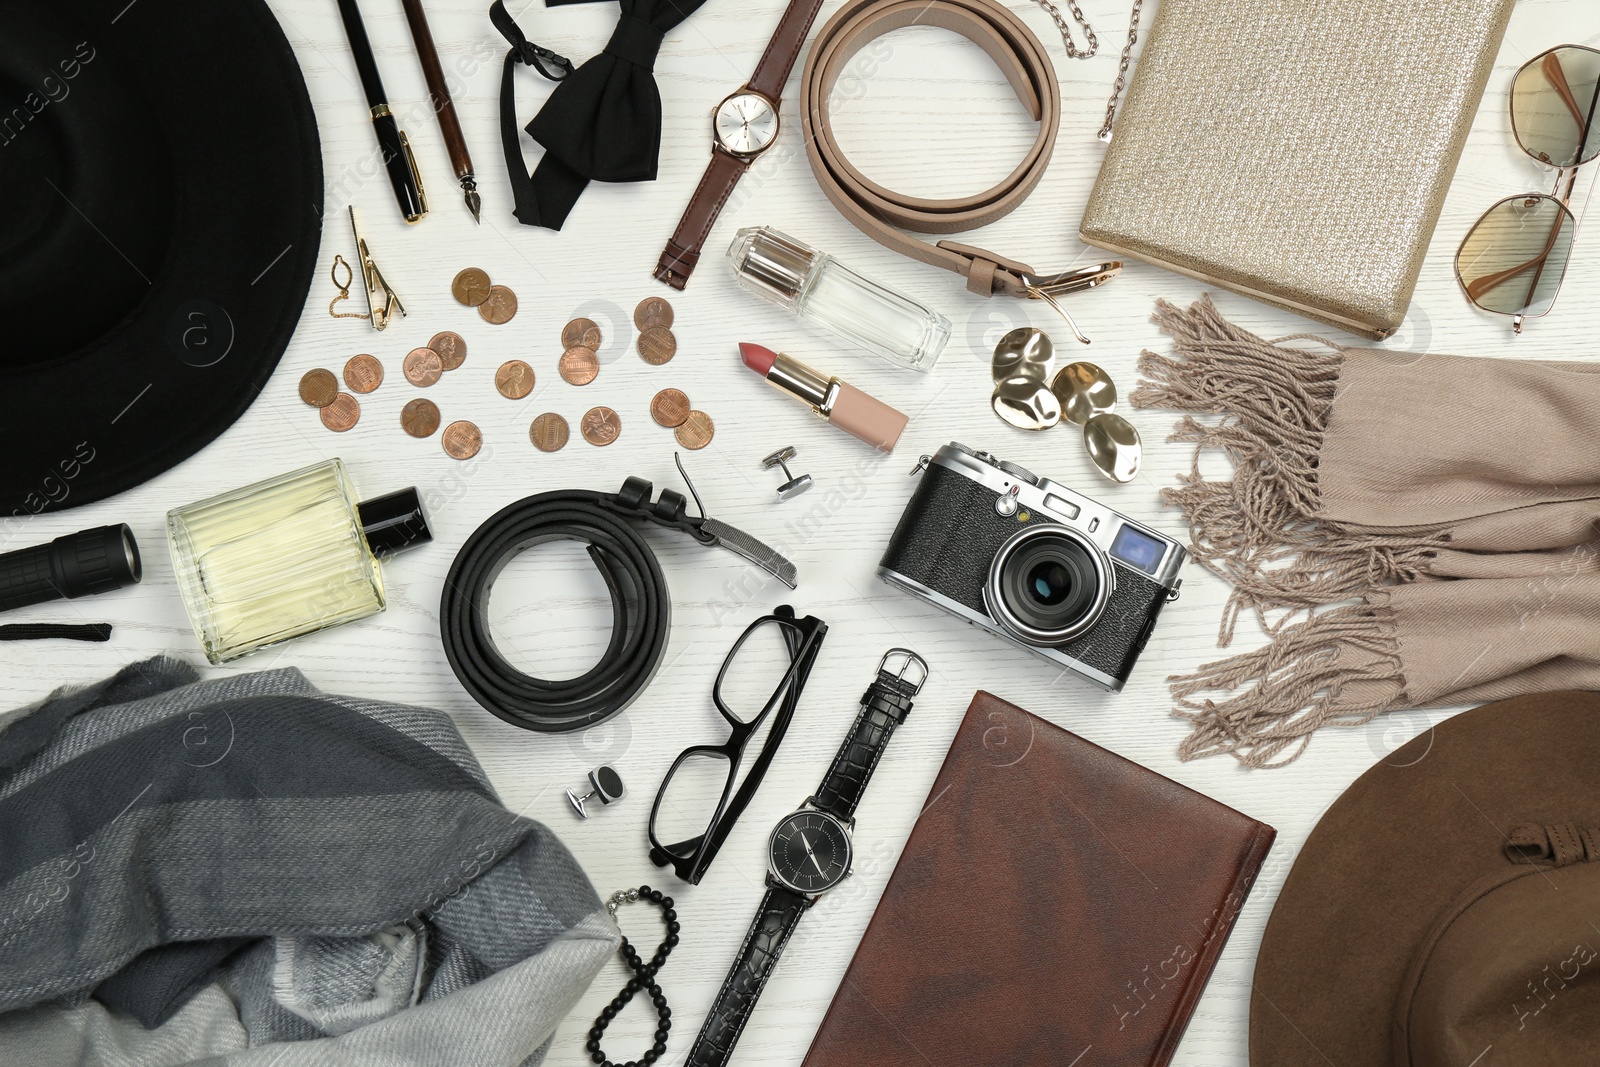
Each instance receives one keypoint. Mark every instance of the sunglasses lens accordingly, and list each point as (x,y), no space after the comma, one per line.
(1513,260)
(1553,106)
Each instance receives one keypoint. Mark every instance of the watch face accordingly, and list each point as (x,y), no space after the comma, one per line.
(809,851)
(746,123)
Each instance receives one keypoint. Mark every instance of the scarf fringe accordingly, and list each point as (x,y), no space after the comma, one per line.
(1295,685)
(1260,531)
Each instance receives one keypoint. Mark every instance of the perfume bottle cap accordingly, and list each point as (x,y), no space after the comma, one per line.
(771,264)
(394,522)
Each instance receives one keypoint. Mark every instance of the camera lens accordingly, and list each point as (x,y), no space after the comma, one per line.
(1048,584)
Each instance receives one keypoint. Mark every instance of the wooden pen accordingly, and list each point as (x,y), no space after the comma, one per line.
(449,125)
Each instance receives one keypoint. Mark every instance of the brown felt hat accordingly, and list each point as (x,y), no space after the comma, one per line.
(1446,910)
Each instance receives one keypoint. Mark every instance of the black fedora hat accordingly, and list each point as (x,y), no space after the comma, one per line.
(160,208)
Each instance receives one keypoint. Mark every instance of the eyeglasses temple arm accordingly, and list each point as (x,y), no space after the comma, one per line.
(710,842)
(1488,282)
(1557,77)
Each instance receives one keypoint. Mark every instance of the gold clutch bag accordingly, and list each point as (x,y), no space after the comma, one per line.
(1296,151)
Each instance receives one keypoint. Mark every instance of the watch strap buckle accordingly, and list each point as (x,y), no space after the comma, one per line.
(676,264)
(891,692)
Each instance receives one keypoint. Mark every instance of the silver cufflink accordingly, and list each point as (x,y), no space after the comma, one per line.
(792,486)
(605,783)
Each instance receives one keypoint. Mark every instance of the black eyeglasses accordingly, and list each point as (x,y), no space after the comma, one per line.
(766,670)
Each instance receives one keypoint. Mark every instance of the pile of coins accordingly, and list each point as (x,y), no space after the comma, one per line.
(580,348)
(580,365)
(599,426)
(341,411)
(496,303)
(693,429)
(657,344)
(446,351)
(419,418)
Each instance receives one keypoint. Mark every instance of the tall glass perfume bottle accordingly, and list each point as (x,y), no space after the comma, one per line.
(820,289)
(286,557)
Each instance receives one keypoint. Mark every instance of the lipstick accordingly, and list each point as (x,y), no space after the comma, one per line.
(854,412)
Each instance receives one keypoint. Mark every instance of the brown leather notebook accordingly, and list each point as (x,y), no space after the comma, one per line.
(1056,904)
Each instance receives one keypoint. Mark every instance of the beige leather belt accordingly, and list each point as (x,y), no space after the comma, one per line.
(882,213)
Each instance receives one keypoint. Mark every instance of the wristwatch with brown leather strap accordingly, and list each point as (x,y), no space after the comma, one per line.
(743,125)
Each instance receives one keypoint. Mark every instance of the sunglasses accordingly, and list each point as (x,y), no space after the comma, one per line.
(762,677)
(1513,260)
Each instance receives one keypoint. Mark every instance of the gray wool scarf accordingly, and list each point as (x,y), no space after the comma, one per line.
(1411,530)
(248,872)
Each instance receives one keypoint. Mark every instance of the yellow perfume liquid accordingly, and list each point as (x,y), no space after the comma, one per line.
(286,557)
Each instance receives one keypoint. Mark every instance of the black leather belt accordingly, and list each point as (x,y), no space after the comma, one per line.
(641,604)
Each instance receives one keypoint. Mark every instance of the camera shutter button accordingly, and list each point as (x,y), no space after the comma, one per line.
(1006,503)
(1022,474)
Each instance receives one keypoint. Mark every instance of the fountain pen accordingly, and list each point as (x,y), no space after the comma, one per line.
(454,141)
(392,142)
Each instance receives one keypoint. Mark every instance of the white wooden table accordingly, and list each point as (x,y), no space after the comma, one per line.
(935,118)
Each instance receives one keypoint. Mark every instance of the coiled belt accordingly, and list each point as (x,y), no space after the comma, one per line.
(881,212)
(640,601)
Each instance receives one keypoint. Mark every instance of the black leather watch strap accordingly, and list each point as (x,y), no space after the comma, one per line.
(884,705)
(775,921)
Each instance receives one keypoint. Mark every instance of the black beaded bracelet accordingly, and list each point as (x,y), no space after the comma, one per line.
(644,978)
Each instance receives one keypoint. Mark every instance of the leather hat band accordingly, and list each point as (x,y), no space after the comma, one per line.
(882,213)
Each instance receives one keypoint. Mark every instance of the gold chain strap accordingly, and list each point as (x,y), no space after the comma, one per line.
(1074,52)
(344,290)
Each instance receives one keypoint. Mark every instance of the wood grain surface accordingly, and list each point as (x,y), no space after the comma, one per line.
(928,115)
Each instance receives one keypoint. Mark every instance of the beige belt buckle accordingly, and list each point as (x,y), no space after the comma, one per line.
(1047,287)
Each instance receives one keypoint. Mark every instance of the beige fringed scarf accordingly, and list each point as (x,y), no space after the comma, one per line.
(1412,530)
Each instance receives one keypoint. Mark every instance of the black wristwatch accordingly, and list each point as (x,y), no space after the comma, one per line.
(809,853)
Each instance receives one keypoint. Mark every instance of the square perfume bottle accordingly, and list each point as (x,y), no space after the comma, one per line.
(287,557)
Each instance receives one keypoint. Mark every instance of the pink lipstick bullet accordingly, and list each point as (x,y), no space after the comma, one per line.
(854,412)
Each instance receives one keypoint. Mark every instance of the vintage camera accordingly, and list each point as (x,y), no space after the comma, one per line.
(1033,561)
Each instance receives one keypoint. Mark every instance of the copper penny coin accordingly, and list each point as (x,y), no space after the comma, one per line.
(471,287)
(452,349)
(514,379)
(363,374)
(342,414)
(549,432)
(422,367)
(696,432)
(420,418)
(657,345)
(318,387)
(500,307)
(461,440)
(601,426)
(579,365)
(669,408)
(583,332)
(652,312)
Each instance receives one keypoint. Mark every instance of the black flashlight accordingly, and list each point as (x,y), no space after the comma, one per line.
(80,564)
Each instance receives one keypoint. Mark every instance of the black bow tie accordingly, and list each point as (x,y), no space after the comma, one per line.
(601,123)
